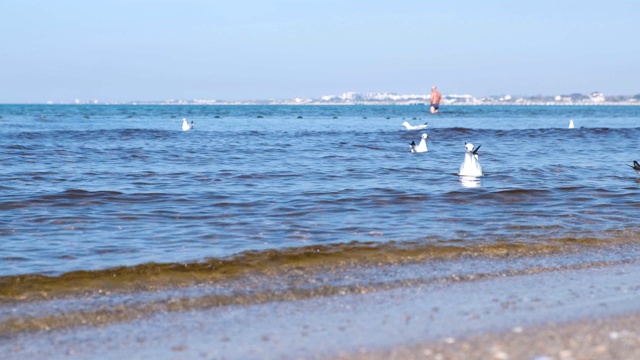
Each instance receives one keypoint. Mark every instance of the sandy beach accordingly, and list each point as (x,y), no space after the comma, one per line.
(581,313)
(616,337)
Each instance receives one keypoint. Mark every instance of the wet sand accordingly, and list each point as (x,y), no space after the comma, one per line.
(590,313)
(616,337)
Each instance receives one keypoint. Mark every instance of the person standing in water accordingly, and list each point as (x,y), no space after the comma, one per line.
(435,100)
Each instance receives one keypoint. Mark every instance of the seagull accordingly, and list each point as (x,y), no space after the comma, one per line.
(571,126)
(635,166)
(475,152)
(185,125)
(417,127)
(471,165)
(422,147)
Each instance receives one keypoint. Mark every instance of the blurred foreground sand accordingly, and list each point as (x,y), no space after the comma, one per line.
(588,313)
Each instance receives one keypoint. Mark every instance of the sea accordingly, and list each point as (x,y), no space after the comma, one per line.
(118,205)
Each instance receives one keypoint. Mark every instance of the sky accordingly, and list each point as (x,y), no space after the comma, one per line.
(128,50)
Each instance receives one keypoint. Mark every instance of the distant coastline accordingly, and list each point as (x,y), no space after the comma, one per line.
(354,98)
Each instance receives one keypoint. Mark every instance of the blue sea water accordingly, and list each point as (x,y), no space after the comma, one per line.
(91,187)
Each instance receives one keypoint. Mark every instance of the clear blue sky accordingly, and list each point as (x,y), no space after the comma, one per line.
(119,50)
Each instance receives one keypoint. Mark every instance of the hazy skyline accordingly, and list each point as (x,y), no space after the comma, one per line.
(120,50)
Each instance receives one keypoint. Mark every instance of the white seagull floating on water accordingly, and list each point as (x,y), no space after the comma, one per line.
(416,127)
(185,125)
(635,166)
(422,147)
(571,126)
(471,165)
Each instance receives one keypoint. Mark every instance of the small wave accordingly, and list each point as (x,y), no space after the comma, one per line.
(460,130)
(370,147)
(153,276)
(72,197)
(95,298)
(267,176)
(516,195)
(82,194)
(18,147)
(81,198)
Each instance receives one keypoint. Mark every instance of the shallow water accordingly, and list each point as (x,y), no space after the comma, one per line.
(99,191)
(112,213)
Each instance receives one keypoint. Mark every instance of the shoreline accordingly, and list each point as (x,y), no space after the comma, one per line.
(359,103)
(549,315)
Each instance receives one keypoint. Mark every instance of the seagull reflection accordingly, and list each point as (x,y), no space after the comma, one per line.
(470,181)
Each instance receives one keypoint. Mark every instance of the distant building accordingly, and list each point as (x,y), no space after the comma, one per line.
(329,98)
(459,99)
(573,98)
(597,97)
(350,96)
